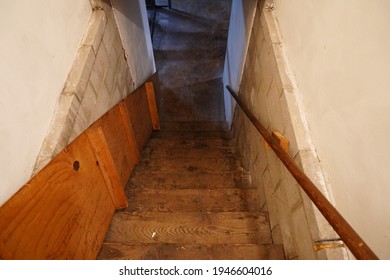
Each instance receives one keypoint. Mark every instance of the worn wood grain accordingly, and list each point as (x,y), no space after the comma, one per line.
(4,253)
(179,152)
(280,139)
(192,200)
(61,213)
(115,135)
(128,125)
(190,135)
(138,108)
(199,180)
(190,143)
(190,227)
(123,251)
(107,164)
(198,126)
(150,93)
(190,165)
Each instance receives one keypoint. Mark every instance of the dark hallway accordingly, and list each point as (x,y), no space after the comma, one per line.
(189,43)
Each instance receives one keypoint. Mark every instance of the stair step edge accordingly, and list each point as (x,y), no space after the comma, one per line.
(187,251)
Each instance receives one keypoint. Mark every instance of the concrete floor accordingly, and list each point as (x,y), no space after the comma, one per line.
(189,45)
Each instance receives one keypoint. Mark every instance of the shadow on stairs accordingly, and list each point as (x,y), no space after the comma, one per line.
(190,199)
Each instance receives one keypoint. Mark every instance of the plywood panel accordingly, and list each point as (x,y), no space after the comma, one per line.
(61,213)
(138,108)
(115,133)
(130,133)
(107,166)
(150,93)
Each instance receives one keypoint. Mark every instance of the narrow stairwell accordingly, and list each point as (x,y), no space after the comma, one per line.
(189,198)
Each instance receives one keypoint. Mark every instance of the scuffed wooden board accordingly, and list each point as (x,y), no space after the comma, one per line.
(61,213)
(193,200)
(150,93)
(130,133)
(155,79)
(107,166)
(138,109)
(117,140)
(189,227)
(185,251)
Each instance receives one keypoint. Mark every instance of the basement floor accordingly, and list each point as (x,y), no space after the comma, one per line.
(189,43)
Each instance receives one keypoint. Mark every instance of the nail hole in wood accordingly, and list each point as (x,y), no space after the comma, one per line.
(76,165)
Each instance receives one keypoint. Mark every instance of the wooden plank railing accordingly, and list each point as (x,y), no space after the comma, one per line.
(350,237)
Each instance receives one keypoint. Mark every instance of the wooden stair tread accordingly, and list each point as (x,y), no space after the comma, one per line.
(194,126)
(189,152)
(199,180)
(190,227)
(123,251)
(192,200)
(189,198)
(190,165)
(175,142)
(191,135)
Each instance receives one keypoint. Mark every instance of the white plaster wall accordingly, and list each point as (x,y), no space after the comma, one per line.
(39,40)
(339,51)
(133,25)
(241,21)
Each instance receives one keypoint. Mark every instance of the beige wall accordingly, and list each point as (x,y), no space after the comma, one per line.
(98,80)
(133,25)
(39,41)
(241,20)
(339,52)
(97,76)
(270,90)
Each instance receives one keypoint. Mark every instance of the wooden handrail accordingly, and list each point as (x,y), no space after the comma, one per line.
(350,237)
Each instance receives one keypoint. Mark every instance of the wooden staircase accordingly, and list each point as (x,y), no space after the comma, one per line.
(189,198)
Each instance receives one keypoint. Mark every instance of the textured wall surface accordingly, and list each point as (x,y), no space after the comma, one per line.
(132,19)
(339,52)
(268,88)
(241,21)
(39,42)
(98,80)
